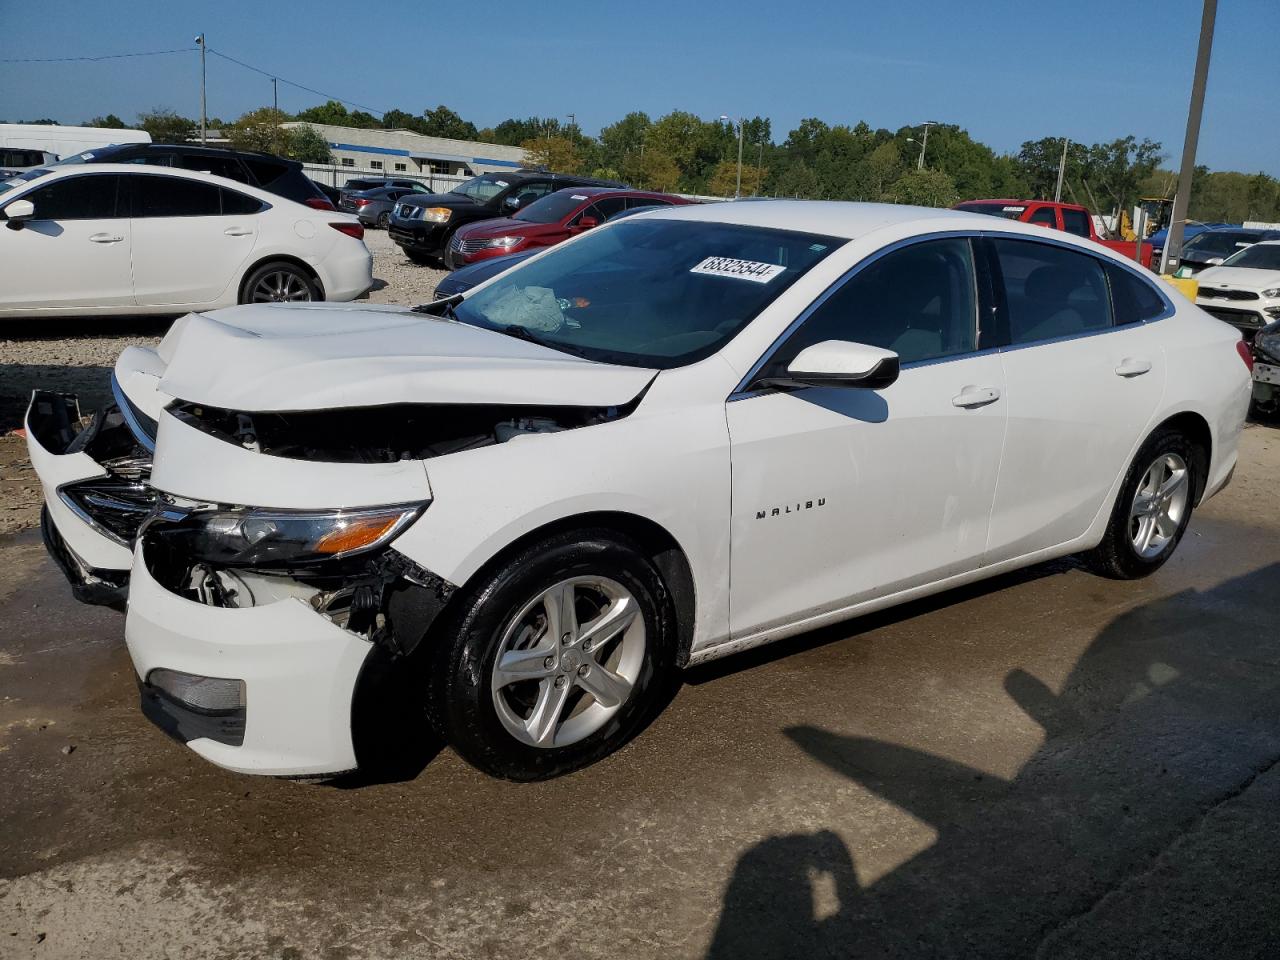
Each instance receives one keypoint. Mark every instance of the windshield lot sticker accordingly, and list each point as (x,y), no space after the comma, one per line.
(1013,209)
(738,269)
(577,196)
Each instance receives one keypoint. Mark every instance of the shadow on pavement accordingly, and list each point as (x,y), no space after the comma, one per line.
(1115,839)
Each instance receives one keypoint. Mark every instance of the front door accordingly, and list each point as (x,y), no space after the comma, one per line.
(842,495)
(73,253)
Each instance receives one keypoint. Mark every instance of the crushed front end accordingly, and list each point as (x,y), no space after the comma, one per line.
(253,631)
(95,472)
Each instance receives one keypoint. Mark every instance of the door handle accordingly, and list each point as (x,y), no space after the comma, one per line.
(237,231)
(972,396)
(105,238)
(1131,367)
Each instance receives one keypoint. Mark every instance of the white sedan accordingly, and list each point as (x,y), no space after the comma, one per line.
(1244,290)
(681,435)
(132,239)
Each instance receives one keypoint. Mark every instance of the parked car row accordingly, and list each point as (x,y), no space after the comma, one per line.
(674,437)
(1052,215)
(424,225)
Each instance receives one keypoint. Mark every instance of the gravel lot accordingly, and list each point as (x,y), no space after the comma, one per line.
(76,356)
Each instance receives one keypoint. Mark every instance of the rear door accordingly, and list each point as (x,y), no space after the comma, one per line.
(191,239)
(74,252)
(1084,375)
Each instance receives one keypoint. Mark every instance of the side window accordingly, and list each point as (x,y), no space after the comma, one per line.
(238,204)
(264,170)
(228,167)
(1132,298)
(87,197)
(526,193)
(1046,216)
(1051,291)
(161,196)
(602,210)
(919,302)
(1075,221)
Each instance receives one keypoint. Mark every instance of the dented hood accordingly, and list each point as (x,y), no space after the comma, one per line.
(315,356)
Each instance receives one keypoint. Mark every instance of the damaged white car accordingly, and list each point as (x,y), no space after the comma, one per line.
(681,435)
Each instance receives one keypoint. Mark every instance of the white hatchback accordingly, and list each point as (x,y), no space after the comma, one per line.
(677,436)
(133,239)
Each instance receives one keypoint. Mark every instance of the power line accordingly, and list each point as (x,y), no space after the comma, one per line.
(293,83)
(109,56)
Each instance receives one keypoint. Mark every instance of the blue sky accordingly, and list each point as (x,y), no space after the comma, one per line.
(1007,70)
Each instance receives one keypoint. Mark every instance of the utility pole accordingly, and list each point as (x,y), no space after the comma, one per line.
(1182,200)
(737,192)
(200,44)
(759,168)
(573,120)
(275,110)
(924,145)
(1062,166)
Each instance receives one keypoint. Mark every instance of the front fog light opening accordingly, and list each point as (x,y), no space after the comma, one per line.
(213,696)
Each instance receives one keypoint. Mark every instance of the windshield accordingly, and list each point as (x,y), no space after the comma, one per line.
(552,208)
(647,292)
(1009,211)
(482,188)
(1264,256)
(22,179)
(1219,243)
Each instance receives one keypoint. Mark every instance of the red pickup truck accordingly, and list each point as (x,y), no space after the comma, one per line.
(1068,217)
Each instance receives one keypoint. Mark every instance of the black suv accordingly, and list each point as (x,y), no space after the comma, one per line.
(274,174)
(423,223)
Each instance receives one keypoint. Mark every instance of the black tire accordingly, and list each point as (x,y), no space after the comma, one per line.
(291,273)
(461,702)
(384,220)
(418,257)
(1116,556)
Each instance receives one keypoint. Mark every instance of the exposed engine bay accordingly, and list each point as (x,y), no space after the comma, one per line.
(387,434)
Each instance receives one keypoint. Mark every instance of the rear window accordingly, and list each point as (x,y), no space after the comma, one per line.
(552,208)
(265,171)
(1010,211)
(1132,299)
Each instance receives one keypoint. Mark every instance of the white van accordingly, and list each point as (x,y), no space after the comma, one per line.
(26,145)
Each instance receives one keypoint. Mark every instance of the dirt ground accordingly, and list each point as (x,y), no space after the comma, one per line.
(1048,765)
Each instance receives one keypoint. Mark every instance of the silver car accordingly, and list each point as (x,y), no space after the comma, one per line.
(373,207)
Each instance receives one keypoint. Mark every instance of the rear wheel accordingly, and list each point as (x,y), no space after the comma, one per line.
(384,220)
(279,283)
(555,660)
(1152,510)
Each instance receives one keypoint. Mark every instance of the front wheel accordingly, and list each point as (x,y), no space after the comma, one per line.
(279,283)
(557,659)
(1152,511)
(384,220)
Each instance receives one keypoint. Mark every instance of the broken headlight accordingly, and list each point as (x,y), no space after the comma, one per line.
(252,537)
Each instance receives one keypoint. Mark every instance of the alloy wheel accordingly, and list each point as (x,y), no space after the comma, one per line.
(1159,505)
(568,661)
(280,286)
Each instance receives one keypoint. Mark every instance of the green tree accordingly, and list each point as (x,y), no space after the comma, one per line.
(166,126)
(331,111)
(798,180)
(923,188)
(620,141)
(724,179)
(260,130)
(653,170)
(557,154)
(403,120)
(305,143)
(884,165)
(443,122)
(109,122)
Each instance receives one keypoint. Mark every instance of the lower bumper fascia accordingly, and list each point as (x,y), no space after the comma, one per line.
(105,588)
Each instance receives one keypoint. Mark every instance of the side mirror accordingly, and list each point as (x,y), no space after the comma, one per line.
(1214,261)
(586,223)
(839,363)
(512,203)
(18,213)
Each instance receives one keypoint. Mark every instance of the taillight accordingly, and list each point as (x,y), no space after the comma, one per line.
(350,229)
(1246,353)
(319,203)
(363,201)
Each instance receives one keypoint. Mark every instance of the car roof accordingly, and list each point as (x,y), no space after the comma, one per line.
(594,191)
(147,170)
(838,218)
(1027,203)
